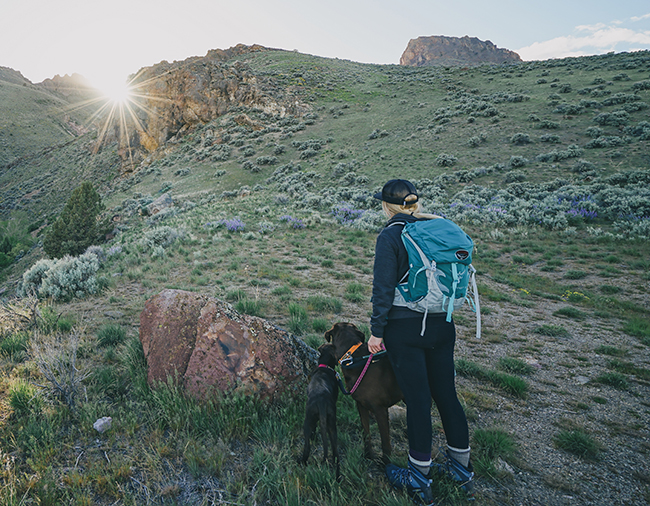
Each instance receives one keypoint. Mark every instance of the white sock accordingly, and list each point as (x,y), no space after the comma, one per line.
(459,455)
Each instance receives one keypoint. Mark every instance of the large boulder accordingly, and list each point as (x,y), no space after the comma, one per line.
(206,345)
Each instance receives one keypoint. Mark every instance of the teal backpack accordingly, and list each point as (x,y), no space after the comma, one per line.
(441,275)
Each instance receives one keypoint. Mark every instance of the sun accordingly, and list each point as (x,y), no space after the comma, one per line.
(115,91)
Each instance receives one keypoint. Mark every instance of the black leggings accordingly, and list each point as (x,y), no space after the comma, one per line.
(424,367)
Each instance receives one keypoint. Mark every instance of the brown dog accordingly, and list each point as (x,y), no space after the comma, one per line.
(378,389)
(322,393)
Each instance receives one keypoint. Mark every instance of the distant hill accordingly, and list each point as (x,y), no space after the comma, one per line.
(34,117)
(454,51)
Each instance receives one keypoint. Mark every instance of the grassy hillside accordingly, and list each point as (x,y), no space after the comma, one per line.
(544,164)
(33,118)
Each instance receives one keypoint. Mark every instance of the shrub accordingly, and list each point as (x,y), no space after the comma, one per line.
(572,151)
(71,277)
(161,236)
(518,161)
(616,118)
(641,85)
(62,279)
(548,125)
(474,141)
(33,278)
(520,139)
(549,138)
(445,160)
(77,227)
(56,358)
(582,166)
(515,176)
(605,142)
(266,160)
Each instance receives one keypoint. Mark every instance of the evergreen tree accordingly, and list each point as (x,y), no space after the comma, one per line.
(77,227)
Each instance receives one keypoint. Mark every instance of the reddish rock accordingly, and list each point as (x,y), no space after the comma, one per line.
(168,332)
(214,347)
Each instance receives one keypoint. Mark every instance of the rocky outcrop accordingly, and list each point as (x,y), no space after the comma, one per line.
(206,345)
(71,87)
(174,97)
(454,51)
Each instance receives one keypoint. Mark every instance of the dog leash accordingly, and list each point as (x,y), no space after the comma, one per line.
(339,380)
(356,385)
(351,362)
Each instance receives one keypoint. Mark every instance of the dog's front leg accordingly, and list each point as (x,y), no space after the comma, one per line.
(381,415)
(365,423)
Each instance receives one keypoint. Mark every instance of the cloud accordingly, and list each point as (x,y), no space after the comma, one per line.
(639,18)
(592,39)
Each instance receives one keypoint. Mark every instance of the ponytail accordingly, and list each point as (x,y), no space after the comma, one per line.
(411,206)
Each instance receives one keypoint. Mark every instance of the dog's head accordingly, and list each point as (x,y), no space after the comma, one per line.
(343,336)
(327,355)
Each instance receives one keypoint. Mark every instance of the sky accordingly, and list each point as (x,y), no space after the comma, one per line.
(106,41)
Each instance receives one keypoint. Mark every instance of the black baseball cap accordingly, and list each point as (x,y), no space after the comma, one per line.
(395,191)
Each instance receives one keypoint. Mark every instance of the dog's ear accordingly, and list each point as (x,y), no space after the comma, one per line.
(328,335)
(360,335)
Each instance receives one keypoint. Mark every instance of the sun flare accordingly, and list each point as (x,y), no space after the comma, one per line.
(117,91)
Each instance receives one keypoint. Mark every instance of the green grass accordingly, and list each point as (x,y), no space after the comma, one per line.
(570,312)
(610,350)
(488,446)
(576,274)
(515,366)
(323,304)
(638,327)
(614,379)
(506,382)
(551,330)
(578,442)
(250,307)
(14,346)
(110,335)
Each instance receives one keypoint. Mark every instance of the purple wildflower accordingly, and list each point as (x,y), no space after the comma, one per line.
(346,215)
(234,225)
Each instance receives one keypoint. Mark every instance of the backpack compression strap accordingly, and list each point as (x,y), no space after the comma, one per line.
(477,306)
(430,267)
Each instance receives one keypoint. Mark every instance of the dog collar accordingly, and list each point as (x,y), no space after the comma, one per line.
(349,353)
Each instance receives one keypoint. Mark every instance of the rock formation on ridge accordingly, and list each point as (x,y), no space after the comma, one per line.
(454,51)
(174,97)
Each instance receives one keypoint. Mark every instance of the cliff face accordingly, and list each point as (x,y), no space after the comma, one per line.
(454,51)
(174,97)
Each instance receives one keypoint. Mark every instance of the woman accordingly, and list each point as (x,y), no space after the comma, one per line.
(423,365)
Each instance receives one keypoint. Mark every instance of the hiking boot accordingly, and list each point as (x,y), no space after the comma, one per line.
(457,472)
(411,480)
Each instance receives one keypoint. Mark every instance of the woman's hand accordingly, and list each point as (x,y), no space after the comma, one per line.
(375,344)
